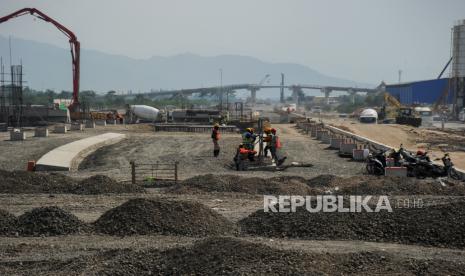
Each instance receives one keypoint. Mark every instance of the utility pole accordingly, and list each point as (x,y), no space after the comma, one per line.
(221,89)
(400,76)
(281,95)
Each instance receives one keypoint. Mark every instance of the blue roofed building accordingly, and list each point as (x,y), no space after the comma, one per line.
(426,92)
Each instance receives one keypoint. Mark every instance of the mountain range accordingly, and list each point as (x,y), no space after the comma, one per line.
(46,66)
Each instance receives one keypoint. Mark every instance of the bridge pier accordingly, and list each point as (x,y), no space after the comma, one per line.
(327,93)
(296,91)
(253,95)
(352,94)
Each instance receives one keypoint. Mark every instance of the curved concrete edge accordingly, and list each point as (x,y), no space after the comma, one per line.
(69,156)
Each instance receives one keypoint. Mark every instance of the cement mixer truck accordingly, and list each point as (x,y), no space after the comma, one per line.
(141,113)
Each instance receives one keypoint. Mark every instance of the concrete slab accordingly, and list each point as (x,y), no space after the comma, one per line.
(68,157)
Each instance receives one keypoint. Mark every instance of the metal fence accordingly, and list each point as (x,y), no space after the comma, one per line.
(154,173)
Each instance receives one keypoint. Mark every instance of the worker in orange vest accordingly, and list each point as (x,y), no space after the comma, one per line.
(275,146)
(215,138)
(242,154)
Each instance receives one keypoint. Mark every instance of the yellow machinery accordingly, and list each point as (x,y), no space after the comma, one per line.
(392,108)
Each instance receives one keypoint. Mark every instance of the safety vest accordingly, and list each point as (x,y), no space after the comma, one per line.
(275,141)
(216,134)
(247,138)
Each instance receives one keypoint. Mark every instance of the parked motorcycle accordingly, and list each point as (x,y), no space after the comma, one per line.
(426,168)
(376,163)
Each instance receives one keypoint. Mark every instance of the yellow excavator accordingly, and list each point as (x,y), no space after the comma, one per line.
(403,115)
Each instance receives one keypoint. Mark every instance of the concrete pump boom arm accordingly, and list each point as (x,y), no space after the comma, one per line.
(74,44)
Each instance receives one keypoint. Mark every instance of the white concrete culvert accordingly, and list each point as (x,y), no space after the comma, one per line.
(68,157)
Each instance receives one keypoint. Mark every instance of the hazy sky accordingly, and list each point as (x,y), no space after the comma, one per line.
(362,40)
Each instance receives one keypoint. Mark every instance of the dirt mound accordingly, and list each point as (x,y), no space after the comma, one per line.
(229,256)
(143,216)
(48,221)
(8,223)
(440,225)
(383,185)
(101,184)
(24,182)
(250,185)
(324,180)
(373,185)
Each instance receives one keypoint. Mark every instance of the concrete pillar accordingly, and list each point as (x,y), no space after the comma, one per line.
(253,95)
(41,132)
(90,124)
(17,135)
(352,94)
(101,122)
(79,127)
(61,129)
(327,93)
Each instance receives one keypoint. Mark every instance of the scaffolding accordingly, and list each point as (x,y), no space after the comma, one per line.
(11,95)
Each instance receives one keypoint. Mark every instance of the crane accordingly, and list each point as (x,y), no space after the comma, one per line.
(73,42)
(263,80)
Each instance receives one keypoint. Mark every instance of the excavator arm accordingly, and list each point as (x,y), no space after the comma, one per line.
(73,42)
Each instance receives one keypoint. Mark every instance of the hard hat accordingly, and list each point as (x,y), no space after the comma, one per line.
(420,152)
(267,129)
(249,129)
(273,130)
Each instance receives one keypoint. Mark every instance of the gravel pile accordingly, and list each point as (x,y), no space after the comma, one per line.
(249,185)
(144,216)
(384,185)
(24,182)
(320,185)
(229,256)
(440,225)
(8,223)
(101,184)
(49,221)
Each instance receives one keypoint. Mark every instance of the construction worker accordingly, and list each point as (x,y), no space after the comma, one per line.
(275,146)
(267,140)
(248,141)
(248,138)
(242,154)
(215,138)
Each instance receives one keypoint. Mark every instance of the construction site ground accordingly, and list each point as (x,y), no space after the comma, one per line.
(434,140)
(66,254)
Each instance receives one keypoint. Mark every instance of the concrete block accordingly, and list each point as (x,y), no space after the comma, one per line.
(319,134)
(17,135)
(101,122)
(90,124)
(61,129)
(360,154)
(335,143)
(79,127)
(395,171)
(347,148)
(313,131)
(390,162)
(41,132)
(326,138)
